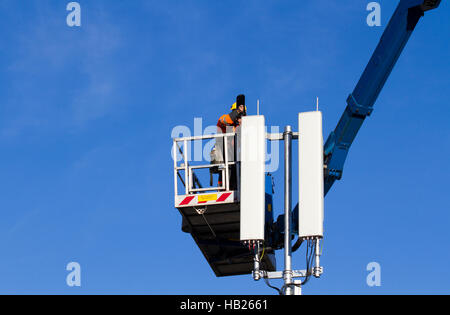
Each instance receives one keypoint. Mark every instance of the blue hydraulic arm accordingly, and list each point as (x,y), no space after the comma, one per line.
(360,102)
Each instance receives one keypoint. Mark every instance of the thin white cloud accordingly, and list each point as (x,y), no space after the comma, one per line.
(46,51)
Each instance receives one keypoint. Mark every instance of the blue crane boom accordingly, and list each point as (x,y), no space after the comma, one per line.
(360,102)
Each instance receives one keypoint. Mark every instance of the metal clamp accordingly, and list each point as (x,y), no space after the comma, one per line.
(278,274)
(358,109)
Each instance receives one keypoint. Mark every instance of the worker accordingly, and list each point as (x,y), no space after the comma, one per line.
(228,123)
(233,119)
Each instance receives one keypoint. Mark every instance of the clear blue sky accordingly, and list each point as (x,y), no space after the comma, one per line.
(86,116)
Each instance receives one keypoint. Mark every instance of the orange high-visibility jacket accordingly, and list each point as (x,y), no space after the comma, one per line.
(227,120)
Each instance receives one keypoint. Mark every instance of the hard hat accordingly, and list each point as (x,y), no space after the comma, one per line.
(234,106)
(241,101)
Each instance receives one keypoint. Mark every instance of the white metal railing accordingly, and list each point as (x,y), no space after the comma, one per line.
(190,180)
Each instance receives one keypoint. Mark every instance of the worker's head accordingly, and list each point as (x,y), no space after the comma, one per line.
(240,105)
(242,109)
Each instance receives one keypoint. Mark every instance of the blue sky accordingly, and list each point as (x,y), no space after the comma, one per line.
(86,116)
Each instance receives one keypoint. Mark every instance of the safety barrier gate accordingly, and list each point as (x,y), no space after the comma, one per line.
(194,193)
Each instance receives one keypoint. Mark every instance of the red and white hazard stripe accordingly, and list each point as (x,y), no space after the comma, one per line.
(205,199)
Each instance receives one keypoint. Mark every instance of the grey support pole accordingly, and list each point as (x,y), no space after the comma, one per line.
(287,276)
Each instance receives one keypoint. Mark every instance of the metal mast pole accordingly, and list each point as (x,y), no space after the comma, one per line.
(287,276)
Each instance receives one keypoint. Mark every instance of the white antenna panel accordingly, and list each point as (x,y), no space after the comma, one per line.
(253,153)
(311,191)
